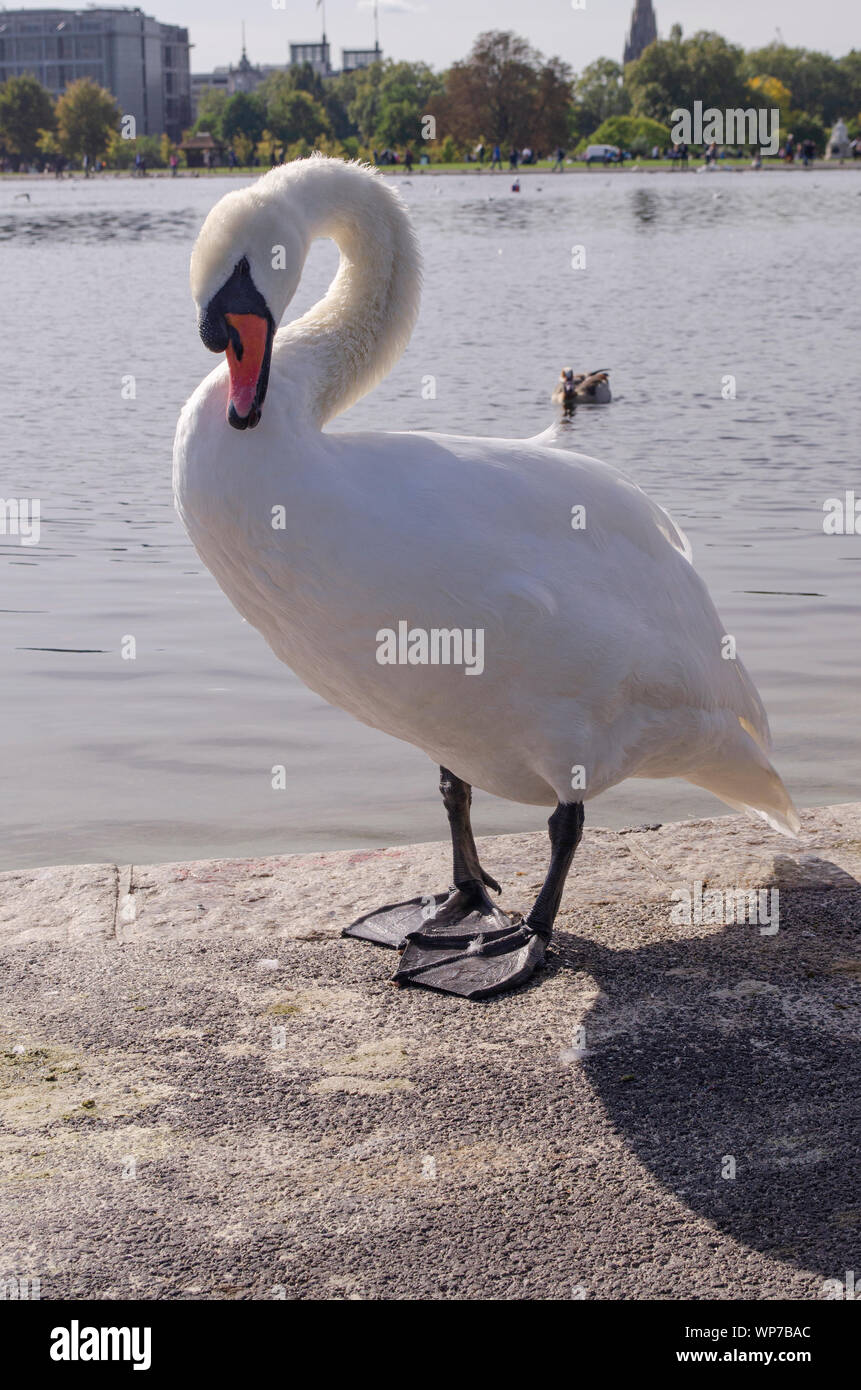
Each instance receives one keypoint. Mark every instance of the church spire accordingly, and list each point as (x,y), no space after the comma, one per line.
(644,30)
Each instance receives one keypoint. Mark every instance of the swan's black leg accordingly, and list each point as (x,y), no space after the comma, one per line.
(478,960)
(465,909)
(460,943)
(457,799)
(565,828)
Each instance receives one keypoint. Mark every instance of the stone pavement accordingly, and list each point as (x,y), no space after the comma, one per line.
(206,1093)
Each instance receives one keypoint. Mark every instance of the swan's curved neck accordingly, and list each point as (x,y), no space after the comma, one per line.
(352,337)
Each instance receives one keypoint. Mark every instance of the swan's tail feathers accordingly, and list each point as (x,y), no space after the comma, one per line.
(786,821)
(746,780)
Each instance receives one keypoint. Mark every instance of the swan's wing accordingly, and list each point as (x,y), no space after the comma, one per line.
(641,511)
(683,618)
(668,528)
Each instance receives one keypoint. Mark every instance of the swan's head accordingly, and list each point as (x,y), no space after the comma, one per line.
(245,267)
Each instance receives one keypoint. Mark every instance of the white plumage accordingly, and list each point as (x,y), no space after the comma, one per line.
(602,648)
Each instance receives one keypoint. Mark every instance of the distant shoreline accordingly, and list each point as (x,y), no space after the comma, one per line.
(658,166)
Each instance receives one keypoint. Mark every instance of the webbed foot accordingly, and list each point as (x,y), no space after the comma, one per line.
(458,942)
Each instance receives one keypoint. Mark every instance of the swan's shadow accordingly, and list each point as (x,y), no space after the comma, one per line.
(736,1046)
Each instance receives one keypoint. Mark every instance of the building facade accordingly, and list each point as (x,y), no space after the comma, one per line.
(644,30)
(243,77)
(354,58)
(317,54)
(246,76)
(144,63)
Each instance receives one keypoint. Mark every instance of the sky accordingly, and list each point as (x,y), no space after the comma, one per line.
(440,31)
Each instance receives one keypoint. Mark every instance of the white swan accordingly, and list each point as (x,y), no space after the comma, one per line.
(525,615)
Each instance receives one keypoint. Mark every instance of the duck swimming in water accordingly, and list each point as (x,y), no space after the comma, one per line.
(525,615)
(582,388)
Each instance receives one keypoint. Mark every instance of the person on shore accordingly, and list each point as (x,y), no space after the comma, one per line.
(711,153)
(683,155)
(808,152)
(479,152)
(408,159)
(496,161)
(174,164)
(789,149)
(756,162)
(559,163)
(513,158)
(86,163)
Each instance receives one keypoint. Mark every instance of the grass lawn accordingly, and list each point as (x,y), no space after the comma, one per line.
(642,166)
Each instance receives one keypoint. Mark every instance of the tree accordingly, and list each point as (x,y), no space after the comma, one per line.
(552,118)
(295,115)
(26,110)
(166,148)
(361,91)
(152,149)
(804,127)
(850,69)
(673,74)
(340,93)
(328,98)
(505,91)
(243,114)
(304,79)
(269,143)
(638,134)
(120,153)
(771,94)
(819,83)
(243,148)
(599,92)
(770,91)
(390,100)
(210,109)
(658,81)
(87,116)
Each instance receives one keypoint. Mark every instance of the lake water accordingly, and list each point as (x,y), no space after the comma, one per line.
(688,279)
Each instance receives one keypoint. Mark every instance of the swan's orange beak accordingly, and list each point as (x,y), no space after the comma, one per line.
(248,354)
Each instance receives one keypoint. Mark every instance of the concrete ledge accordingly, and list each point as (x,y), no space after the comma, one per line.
(206,1092)
(306,897)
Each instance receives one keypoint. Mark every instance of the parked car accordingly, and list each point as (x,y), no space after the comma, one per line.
(603,154)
